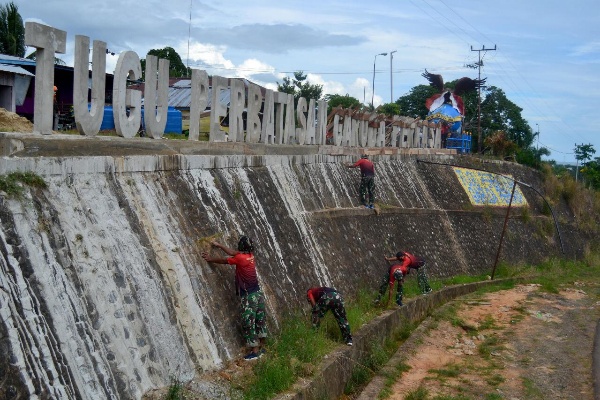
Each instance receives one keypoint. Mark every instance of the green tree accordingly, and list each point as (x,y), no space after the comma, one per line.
(347,101)
(300,87)
(499,113)
(591,172)
(12,31)
(176,67)
(583,153)
(531,156)
(389,109)
(413,103)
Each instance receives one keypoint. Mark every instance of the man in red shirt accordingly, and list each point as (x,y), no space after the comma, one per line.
(367,181)
(254,321)
(398,271)
(323,299)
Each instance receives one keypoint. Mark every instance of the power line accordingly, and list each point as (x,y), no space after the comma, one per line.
(465,21)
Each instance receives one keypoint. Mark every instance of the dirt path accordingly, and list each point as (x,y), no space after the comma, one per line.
(520,343)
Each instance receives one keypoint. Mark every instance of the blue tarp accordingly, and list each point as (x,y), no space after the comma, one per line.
(174,120)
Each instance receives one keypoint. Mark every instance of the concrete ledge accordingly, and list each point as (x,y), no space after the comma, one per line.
(63,145)
(336,369)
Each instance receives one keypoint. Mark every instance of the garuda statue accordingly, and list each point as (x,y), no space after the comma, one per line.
(447,105)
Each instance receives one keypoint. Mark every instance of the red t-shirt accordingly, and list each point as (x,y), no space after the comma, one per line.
(414,261)
(366,167)
(246,279)
(317,292)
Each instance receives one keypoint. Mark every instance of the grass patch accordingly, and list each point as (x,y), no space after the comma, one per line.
(177,391)
(292,354)
(488,323)
(451,371)
(12,184)
(495,380)
(367,367)
(391,378)
(531,390)
(488,346)
(420,394)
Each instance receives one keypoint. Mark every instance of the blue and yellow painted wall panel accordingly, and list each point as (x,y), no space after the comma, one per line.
(486,189)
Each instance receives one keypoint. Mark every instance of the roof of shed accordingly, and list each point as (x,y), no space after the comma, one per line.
(15,70)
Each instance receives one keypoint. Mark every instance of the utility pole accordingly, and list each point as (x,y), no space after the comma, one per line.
(373,93)
(391,78)
(479,64)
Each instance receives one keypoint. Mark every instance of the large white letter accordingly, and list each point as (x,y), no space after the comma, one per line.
(289,129)
(253,126)
(237,101)
(380,138)
(128,67)
(218,110)
(47,41)
(337,136)
(156,96)
(347,129)
(268,119)
(199,101)
(279,100)
(89,121)
(310,123)
(321,133)
(301,118)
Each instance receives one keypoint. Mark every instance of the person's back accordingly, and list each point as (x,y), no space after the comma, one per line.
(367,168)
(367,182)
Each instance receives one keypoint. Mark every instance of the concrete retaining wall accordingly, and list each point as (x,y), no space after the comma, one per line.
(105,295)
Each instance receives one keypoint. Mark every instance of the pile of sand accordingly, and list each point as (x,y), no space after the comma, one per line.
(11,122)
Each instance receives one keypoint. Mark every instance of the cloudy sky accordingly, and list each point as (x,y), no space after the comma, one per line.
(547,56)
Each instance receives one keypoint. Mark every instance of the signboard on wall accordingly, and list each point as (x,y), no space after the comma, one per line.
(487,189)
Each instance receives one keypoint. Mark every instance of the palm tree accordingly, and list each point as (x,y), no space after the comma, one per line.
(12,31)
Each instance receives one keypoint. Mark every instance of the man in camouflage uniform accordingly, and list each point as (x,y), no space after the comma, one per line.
(367,181)
(399,270)
(252,299)
(324,299)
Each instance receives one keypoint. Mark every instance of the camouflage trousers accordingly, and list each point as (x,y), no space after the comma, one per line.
(385,282)
(423,281)
(334,302)
(367,190)
(254,318)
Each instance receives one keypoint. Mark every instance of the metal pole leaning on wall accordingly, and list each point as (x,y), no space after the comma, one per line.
(504,228)
(562,250)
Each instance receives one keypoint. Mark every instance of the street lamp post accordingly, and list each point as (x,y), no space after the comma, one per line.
(391,77)
(373,93)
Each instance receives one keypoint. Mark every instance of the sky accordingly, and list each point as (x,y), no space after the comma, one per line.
(546,57)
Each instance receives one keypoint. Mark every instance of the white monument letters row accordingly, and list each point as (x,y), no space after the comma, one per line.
(276,127)
(280,123)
